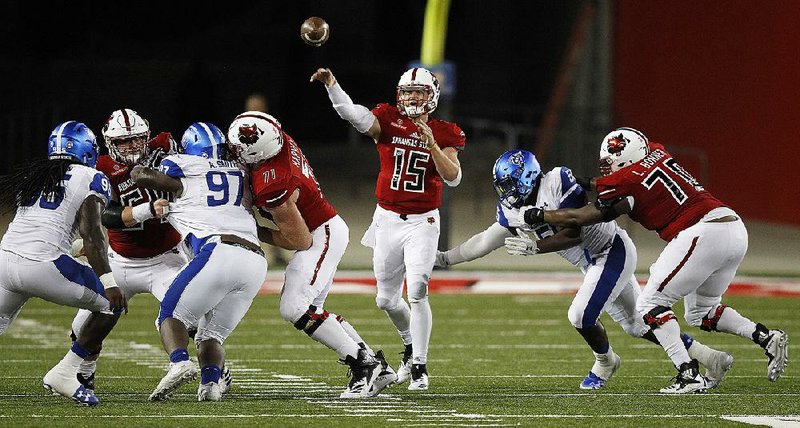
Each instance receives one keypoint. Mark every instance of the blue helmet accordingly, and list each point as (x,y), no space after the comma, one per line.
(516,175)
(204,139)
(73,140)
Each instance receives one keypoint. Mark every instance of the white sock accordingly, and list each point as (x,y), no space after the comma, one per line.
(401,318)
(351,331)
(72,360)
(88,367)
(734,323)
(603,367)
(700,352)
(669,336)
(421,324)
(331,334)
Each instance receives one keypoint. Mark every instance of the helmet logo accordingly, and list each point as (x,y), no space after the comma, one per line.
(617,143)
(516,159)
(249,134)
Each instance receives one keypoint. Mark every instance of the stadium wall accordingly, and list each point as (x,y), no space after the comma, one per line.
(722,77)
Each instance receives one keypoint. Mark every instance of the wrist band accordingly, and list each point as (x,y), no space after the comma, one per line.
(143,212)
(107,279)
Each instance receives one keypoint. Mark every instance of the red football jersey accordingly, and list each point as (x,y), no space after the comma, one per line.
(408,182)
(154,236)
(274,181)
(666,198)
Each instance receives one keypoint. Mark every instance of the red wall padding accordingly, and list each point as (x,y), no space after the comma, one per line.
(724,77)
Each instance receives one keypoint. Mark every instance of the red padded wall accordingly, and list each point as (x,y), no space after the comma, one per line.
(723,77)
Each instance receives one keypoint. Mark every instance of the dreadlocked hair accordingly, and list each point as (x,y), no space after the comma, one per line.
(26,183)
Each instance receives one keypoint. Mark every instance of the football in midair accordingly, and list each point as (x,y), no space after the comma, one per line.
(315,31)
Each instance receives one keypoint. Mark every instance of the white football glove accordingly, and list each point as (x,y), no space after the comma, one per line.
(521,245)
(441,259)
(77,248)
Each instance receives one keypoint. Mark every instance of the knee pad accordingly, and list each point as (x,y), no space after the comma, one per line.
(658,316)
(310,321)
(575,316)
(417,288)
(291,312)
(710,320)
(387,304)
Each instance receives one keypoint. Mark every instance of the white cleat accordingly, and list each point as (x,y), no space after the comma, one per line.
(718,365)
(404,371)
(363,371)
(178,375)
(419,378)
(688,381)
(225,380)
(777,350)
(386,376)
(210,391)
(61,380)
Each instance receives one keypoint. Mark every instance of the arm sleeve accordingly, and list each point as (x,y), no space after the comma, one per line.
(479,245)
(359,116)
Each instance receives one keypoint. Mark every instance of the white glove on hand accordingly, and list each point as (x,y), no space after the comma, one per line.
(441,259)
(521,245)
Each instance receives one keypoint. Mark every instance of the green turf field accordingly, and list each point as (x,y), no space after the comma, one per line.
(494,361)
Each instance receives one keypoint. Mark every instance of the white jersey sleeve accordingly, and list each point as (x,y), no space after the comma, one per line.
(215,198)
(45,229)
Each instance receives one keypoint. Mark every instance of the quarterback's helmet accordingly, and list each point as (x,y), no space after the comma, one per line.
(417,79)
(516,175)
(125,134)
(204,139)
(73,140)
(620,148)
(256,136)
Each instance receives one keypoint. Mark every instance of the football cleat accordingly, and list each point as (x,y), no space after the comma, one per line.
(178,375)
(211,391)
(386,376)
(688,380)
(419,378)
(225,380)
(777,351)
(404,369)
(719,364)
(363,372)
(601,373)
(61,381)
(87,381)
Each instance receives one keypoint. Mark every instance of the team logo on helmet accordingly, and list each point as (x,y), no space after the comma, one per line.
(617,143)
(248,134)
(516,159)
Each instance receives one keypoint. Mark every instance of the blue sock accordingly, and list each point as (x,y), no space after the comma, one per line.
(79,350)
(687,340)
(179,355)
(210,373)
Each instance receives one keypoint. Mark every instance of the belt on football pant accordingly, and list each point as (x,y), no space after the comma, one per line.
(242,243)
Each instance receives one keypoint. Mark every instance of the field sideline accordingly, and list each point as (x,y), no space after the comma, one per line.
(495,360)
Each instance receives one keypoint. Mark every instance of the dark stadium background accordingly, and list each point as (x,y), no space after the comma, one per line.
(716,81)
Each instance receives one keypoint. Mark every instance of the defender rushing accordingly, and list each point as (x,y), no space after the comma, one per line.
(604,253)
(215,289)
(706,243)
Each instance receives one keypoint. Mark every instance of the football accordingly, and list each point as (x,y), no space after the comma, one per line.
(315,31)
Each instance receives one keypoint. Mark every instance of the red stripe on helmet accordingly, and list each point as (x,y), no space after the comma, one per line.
(127,119)
(414,74)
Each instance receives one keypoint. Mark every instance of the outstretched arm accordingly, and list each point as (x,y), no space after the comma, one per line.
(292,233)
(157,180)
(576,217)
(475,247)
(359,116)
